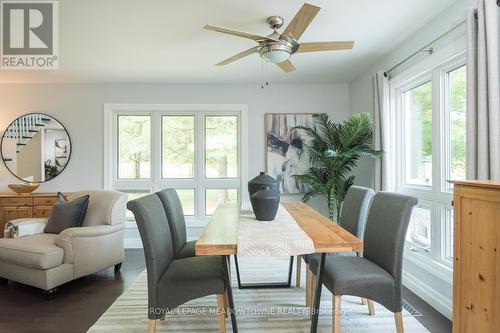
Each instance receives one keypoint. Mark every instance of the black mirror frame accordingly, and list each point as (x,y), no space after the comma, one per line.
(44,114)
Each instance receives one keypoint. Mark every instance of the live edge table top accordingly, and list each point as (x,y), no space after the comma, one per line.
(220,236)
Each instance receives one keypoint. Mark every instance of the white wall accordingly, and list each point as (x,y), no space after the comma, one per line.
(79,107)
(433,288)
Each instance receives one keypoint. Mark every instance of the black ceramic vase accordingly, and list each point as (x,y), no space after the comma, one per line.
(265,203)
(261,181)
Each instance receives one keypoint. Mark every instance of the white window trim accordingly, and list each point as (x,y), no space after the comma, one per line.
(433,67)
(155,183)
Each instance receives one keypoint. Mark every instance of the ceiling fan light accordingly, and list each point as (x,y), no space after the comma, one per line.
(275,52)
(275,56)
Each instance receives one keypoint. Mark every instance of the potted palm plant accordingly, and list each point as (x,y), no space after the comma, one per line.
(334,150)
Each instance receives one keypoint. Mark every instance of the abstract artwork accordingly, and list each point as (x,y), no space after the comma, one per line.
(61,153)
(61,148)
(285,153)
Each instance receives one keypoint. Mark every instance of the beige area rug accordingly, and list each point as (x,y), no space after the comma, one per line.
(261,310)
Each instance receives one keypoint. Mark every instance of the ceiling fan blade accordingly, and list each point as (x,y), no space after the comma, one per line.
(239,33)
(325,46)
(301,21)
(238,56)
(287,66)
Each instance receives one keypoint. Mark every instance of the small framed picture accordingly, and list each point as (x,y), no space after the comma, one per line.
(61,148)
(61,162)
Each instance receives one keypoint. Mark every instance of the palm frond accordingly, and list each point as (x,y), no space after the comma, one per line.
(334,150)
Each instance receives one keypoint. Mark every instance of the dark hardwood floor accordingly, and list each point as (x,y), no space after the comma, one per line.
(77,305)
(80,303)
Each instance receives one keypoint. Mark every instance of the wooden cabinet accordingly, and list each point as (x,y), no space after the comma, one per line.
(8,213)
(14,206)
(476,271)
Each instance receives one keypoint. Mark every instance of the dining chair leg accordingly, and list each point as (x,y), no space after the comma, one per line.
(371,308)
(336,301)
(398,317)
(313,284)
(221,308)
(152,326)
(297,273)
(226,304)
(363,301)
(309,275)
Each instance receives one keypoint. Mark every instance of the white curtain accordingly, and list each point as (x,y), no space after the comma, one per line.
(483,91)
(381,132)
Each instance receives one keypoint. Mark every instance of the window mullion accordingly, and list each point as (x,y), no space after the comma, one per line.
(200,164)
(437,139)
(156,147)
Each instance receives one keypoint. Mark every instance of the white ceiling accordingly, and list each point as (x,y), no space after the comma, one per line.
(163,41)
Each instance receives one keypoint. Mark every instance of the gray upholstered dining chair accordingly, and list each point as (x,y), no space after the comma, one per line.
(175,216)
(171,281)
(376,275)
(353,219)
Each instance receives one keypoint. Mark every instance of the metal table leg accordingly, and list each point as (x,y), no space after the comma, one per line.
(226,263)
(266,284)
(317,294)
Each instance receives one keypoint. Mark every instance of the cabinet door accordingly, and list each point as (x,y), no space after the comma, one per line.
(478,276)
(8,213)
(42,211)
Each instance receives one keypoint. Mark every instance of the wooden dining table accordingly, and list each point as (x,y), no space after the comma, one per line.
(220,237)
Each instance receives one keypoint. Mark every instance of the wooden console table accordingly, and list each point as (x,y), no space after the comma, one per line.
(13,206)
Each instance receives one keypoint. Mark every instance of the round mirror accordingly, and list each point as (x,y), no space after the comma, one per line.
(36,147)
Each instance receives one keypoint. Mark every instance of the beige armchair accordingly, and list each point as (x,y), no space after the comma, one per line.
(47,261)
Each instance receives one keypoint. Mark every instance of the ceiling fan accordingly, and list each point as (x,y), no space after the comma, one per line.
(278,47)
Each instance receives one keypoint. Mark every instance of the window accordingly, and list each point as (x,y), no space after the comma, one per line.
(419,230)
(448,234)
(429,104)
(134,146)
(221,153)
(456,105)
(178,147)
(195,149)
(213,197)
(418,125)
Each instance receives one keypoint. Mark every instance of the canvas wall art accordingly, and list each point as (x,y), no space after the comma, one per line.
(61,148)
(285,153)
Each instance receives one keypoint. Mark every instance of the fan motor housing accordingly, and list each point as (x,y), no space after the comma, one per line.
(287,44)
(275,22)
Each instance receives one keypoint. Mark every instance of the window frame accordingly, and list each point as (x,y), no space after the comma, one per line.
(437,196)
(199,183)
(446,148)
(401,121)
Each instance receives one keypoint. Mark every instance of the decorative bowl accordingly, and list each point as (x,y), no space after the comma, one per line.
(23,189)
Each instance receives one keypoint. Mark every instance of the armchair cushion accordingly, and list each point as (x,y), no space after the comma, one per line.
(24,227)
(67,214)
(66,239)
(36,251)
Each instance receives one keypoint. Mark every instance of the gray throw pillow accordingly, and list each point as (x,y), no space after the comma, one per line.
(67,214)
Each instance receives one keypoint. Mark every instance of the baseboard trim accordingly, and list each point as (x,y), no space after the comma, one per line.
(430,295)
